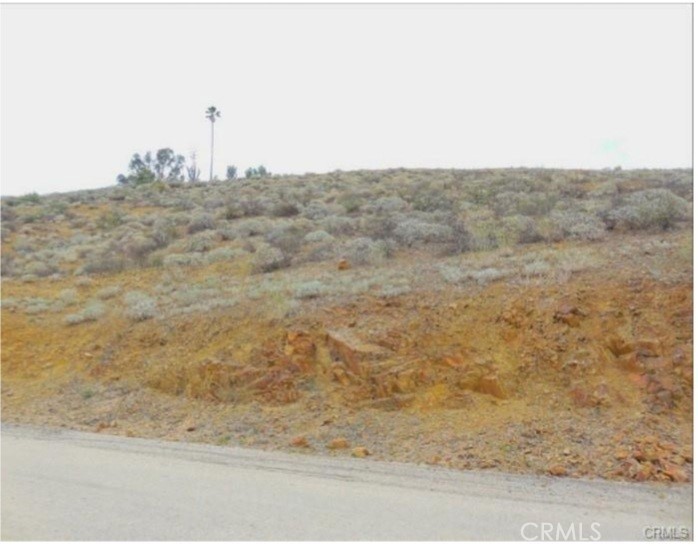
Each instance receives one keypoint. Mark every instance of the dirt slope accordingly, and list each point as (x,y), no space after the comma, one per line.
(588,375)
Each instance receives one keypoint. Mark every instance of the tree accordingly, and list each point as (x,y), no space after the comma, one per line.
(256,172)
(212,114)
(166,166)
(231,173)
(193,171)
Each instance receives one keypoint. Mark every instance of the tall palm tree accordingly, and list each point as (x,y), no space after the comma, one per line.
(212,113)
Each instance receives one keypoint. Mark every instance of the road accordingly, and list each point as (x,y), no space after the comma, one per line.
(66,485)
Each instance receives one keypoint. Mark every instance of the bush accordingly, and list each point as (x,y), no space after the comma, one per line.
(92,311)
(430,200)
(181,260)
(285,210)
(287,238)
(108,292)
(110,219)
(339,225)
(224,254)
(40,269)
(411,232)
(268,258)
(139,306)
(164,232)
(201,222)
(201,242)
(318,236)
(578,225)
(366,251)
(308,290)
(653,208)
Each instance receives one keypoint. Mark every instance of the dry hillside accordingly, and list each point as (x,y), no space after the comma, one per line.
(521,320)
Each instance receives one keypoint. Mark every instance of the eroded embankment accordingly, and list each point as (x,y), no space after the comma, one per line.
(590,377)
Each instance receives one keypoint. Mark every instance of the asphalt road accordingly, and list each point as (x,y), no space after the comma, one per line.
(64,485)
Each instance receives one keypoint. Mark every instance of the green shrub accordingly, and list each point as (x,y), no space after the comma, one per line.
(653,208)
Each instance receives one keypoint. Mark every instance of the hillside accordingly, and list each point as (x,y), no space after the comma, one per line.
(522,320)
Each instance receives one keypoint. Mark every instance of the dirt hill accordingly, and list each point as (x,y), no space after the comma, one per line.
(527,321)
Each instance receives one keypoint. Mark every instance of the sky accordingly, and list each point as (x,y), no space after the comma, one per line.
(315,88)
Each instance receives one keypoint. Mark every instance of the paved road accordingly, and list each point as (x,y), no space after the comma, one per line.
(63,485)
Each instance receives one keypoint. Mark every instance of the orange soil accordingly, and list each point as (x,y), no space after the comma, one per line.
(592,377)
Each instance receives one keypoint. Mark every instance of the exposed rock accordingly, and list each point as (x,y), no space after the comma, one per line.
(338,443)
(299,441)
(675,472)
(490,384)
(630,363)
(648,347)
(618,346)
(347,348)
(557,470)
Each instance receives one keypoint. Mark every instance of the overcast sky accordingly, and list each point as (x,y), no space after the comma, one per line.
(307,88)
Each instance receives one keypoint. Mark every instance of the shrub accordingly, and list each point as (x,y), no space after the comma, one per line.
(137,248)
(285,210)
(653,208)
(578,225)
(108,292)
(366,251)
(164,231)
(413,232)
(181,260)
(430,200)
(139,306)
(103,263)
(233,210)
(110,219)
(318,236)
(92,311)
(287,238)
(268,258)
(68,296)
(456,274)
(224,254)
(316,210)
(201,242)
(350,201)
(201,222)
(253,227)
(339,225)
(310,289)
(387,205)
(509,203)
(40,269)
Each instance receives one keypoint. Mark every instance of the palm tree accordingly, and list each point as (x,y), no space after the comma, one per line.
(212,113)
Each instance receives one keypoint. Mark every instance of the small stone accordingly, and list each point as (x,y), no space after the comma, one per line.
(300,441)
(338,443)
(675,472)
(360,452)
(557,470)
(622,454)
